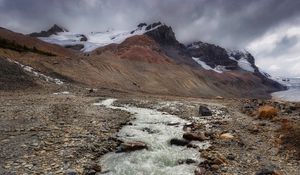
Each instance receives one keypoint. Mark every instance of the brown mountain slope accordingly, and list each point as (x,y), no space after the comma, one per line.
(21,40)
(136,65)
(138,48)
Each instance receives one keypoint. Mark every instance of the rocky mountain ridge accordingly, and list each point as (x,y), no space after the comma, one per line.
(148,59)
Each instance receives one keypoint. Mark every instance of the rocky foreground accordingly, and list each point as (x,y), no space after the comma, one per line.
(65,133)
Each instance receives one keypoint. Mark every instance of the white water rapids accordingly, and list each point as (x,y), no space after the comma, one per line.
(160,158)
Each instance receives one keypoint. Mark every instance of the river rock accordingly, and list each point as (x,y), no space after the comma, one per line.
(269,170)
(132,146)
(179,142)
(204,111)
(226,136)
(194,136)
(200,171)
(187,161)
(70,172)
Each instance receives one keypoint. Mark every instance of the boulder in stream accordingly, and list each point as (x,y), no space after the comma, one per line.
(132,146)
(194,136)
(179,142)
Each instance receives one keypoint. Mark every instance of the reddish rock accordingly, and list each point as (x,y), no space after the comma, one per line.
(267,112)
(194,136)
(132,146)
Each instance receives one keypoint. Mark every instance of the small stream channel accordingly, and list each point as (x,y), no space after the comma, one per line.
(151,127)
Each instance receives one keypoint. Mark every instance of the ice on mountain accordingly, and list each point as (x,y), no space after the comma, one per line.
(95,39)
(218,69)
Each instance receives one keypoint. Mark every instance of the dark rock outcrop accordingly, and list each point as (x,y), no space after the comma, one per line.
(194,136)
(52,31)
(13,77)
(165,37)
(179,142)
(83,38)
(212,55)
(75,47)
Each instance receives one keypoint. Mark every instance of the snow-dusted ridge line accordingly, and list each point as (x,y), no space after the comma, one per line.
(37,74)
(95,39)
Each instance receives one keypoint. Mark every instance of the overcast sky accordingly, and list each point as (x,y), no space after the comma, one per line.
(269,29)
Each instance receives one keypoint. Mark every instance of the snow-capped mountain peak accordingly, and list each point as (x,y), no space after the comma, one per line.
(93,40)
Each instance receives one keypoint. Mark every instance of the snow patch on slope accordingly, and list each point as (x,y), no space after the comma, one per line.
(37,74)
(95,39)
(243,63)
(218,69)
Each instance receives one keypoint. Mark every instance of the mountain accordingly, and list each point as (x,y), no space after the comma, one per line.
(148,59)
(54,30)
(93,40)
(23,43)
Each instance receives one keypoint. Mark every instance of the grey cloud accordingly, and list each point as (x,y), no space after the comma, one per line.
(284,45)
(229,23)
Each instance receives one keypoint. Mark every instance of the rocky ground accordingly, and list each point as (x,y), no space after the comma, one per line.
(52,134)
(241,142)
(43,133)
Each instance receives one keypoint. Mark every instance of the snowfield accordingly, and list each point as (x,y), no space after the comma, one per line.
(94,39)
(219,69)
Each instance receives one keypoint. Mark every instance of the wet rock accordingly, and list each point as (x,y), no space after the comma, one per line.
(173,124)
(90,172)
(192,146)
(132,146)
(70,172)
(96,167)
(200,171)
(187,161)
(150,131)
(194,136)
(179,142)
(204,111)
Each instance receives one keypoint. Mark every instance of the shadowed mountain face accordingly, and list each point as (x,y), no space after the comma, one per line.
(13,77)
(165,36)
(212,55)
(55,29)
(149,60)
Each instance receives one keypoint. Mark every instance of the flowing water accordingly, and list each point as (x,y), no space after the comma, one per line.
(293,92)
(160,158)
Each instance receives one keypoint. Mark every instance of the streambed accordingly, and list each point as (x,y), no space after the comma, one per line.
(153,128)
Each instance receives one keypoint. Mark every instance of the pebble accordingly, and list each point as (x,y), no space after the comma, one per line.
(70,172)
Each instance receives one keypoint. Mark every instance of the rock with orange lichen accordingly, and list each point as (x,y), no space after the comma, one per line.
(267,112)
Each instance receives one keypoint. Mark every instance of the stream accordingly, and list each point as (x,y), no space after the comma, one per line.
(151,127)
